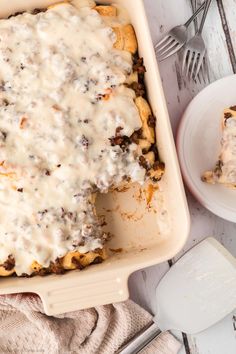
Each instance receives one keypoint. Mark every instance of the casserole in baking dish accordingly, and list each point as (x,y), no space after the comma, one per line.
(75,123)
(136,231)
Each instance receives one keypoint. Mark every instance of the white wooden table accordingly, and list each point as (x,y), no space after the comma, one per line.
(220,36)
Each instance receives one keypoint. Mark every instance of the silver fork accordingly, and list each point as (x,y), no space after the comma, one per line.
(194,57)
(175,39)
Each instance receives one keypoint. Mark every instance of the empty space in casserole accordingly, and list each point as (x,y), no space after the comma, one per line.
(73,122)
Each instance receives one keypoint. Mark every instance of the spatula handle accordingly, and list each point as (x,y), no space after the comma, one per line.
(141,340)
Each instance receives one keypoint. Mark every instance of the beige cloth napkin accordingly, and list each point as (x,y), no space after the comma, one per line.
(25,329)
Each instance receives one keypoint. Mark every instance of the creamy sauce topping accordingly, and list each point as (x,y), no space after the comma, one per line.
(228,152)
(55,68)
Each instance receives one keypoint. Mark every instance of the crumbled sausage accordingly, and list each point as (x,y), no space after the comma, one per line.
(9,264)
(5,102)
(158,166)
(228,115)
(218,168)
(136,136)
(77,263)
(122,141)
(118,130)
(84,142)
(3,136)
(151,121)
(2,86)
(37,11)
(143,162)
(56,267)
(97,260)
(138,88)
(47,173)
(16,14)
(42,213)
(138,66)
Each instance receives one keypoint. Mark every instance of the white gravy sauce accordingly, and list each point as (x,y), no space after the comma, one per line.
(55,129)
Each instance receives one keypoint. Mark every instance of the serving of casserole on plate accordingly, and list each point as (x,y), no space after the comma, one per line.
(76,124)
(225,168)
(211,119)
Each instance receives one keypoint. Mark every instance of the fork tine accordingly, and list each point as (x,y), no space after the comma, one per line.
(199,64)
(167,48)
(162,41)
(165,44)
(189,60)
(203,74)
(197,80)
(194,59)
(200,77)
(173,51)
(203,70)
(184,60)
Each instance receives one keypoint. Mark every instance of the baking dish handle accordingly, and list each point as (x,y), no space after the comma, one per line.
(65,296)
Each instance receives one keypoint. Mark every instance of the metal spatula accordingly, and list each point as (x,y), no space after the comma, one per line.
(198,291)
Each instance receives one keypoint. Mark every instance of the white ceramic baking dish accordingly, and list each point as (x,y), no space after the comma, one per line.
(135,227)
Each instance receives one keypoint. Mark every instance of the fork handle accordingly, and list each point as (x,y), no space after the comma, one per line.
(195,14)
(194,6)
(207,5)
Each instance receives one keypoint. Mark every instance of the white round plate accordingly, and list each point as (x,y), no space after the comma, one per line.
(198,145)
